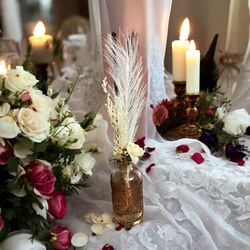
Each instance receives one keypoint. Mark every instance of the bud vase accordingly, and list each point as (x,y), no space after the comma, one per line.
(127,194)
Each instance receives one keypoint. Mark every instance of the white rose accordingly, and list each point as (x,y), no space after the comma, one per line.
(23,148)
(18,80)
(69,134)
(236,121)
(41,103)
(85,162)
(42,212)
(73,173)
(134,151)
(8,127)
(4,109)
(220,112)
(32,124)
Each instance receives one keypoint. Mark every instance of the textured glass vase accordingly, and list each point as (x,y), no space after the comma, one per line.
(127,194)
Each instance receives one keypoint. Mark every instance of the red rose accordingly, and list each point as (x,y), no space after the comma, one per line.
(60,238)
(211,111)
(6,152)
(182,148)
(107,247)
(1,223)
(57,205)
(41,177)
(26,97)
(197,157)
(160,115)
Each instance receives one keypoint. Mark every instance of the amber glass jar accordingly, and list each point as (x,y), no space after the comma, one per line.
(127,194)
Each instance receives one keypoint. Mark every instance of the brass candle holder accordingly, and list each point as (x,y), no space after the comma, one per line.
(179,103)
(190,129)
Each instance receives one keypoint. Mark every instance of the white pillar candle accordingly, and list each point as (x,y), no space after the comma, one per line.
(193,69)
(179,48)
(42,45)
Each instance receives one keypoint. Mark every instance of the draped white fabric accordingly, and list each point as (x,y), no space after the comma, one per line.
(187,206)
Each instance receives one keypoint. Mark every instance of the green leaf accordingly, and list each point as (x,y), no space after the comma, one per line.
(13,165)
(55,95)
(40,147)
(9,213)
(88,121)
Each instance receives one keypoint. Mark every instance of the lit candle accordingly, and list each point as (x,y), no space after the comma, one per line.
(41,44)
(179,48)
(193,69)
(3,68)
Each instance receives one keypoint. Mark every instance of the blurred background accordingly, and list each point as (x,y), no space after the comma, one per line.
(18,18)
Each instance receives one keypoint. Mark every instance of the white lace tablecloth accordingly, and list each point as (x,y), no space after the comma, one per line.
(187,206)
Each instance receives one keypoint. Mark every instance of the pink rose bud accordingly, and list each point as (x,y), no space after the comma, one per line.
(41,177)
(6,152)
(57,205)
(1,223)
(60,238)
(26,97)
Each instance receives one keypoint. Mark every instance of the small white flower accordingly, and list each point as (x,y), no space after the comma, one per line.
(4,109)
(220,112)
(69,134)
(236,122)
(18,79)
(42,212)
(8,127)
(134,151)
(85,162)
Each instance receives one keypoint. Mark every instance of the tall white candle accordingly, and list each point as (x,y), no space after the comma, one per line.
(179,48)
(193,69)
(3,68)
(41,43)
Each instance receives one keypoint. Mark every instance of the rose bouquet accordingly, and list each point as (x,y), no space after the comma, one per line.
(43,158)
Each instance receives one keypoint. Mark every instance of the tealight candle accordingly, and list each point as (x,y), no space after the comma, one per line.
(179,48)
(193,69)
(41,43)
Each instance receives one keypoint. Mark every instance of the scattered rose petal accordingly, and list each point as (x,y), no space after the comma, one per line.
(198,158)
(145,156)
(182,148)
(241,163)
(150,149)
(79,239)
(119,228)
(140,142)
(149,168)
(97,229)
(107,247)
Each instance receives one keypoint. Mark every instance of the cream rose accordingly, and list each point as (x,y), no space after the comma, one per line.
(236,121)
(85,162)
(8,127)
(41,103)
(134,151)
(18,79)
(4,109)
(69,134)
(32,124)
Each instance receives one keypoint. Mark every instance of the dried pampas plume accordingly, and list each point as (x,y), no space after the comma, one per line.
(126,93)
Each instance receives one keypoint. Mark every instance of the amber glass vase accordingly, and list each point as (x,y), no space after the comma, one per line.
(127,194)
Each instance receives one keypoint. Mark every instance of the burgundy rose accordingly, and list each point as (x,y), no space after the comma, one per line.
(57,205)
(182,148)
(60,238)
(107,247)
(166,103)
(160,115)
(198,158)
(1,223)
(41,177)
(25,97)
(6,152)
(235,153)
(211,111)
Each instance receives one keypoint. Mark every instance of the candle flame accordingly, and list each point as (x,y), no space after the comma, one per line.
(3,68)
(185,28)
(192,45)
(39,29)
